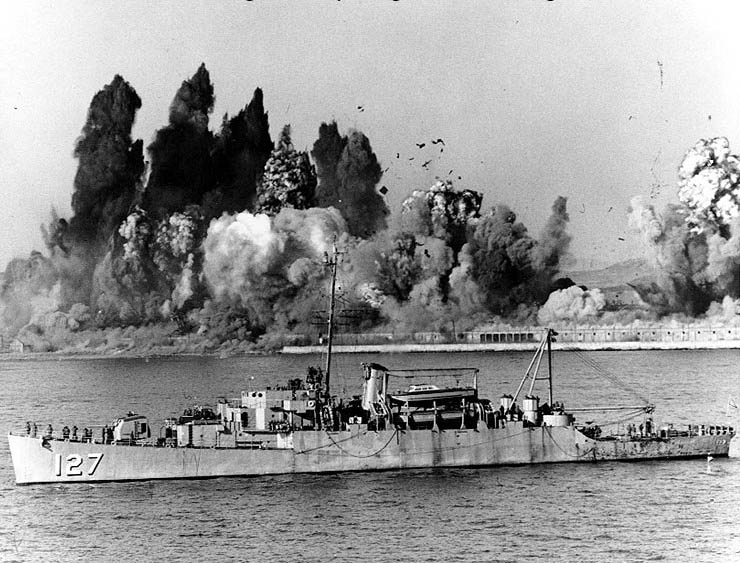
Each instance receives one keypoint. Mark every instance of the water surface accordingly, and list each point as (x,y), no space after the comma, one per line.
(669,511)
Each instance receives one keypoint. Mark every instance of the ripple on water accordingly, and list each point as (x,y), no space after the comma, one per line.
(657,511)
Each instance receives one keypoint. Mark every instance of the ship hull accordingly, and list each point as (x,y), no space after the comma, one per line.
(37,460)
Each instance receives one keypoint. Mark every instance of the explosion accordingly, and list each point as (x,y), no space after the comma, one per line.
(227,236)
(694,246)
(348,173)
(572,305)
(708,186)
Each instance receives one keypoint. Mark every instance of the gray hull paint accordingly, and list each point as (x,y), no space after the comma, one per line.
(49,461)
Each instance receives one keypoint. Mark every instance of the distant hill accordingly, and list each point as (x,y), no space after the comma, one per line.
(634,270)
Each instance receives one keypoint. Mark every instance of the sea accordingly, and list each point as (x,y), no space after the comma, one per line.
(686,510)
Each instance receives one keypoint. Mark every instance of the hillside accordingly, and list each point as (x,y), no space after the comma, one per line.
(632,271)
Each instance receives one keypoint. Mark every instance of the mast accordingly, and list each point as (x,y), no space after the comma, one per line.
(549,363)
(332,263)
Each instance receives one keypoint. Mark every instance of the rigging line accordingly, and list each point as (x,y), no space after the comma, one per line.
(606,374)
(307,450)
(337,442)
(549,433)
(443,449)
(367,455)
(623,419)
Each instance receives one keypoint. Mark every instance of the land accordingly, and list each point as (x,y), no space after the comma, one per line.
(165,341)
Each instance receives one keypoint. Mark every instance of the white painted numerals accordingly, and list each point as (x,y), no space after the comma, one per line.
(72,466)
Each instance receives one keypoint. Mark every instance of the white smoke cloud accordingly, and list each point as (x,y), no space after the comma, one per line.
(184,287)
(135,232)
(370,294)
(727,310)
(243,251)
(572,304)
(708,184)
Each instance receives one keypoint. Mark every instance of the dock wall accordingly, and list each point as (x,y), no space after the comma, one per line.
(689,337)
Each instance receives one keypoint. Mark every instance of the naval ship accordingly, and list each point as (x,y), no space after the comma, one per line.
(403,419)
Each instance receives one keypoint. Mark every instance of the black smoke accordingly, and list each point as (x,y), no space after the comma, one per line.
(226,239)
(348,174)
(110,164)
(181,166)
(241,150)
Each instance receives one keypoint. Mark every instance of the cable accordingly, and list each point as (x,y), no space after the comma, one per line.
(599,369)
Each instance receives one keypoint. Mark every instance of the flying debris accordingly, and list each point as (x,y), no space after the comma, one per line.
(421,145)
(361,108)
(411,158)
(451,171)
(620,238)
(610,209)
(660,68)
(398,155)
(426,164)
(709,117)
(438,141)
(383,190)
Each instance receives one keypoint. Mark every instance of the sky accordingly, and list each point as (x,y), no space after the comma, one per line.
(595,101)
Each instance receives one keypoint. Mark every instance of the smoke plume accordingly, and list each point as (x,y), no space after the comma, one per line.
(347,179)
(239,155)
(181,168)
(271,266)
(110,163)
(227,239)
(289,179)
(694,246)
(572,305)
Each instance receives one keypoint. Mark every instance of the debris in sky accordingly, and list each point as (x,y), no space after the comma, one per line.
(610,208)
(383,190)
(660,67)
(438,141)
(398,155)
(360,108)
(426,164)
(421,145)
(709,117)
(412,158)
(620,238)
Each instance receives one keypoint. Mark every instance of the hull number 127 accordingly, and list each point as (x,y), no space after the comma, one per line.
(74,465)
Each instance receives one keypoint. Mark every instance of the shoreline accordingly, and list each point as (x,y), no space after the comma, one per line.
(408,348)
(515,347)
